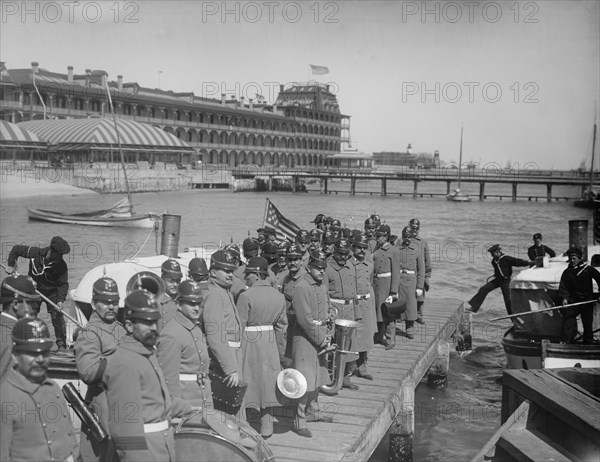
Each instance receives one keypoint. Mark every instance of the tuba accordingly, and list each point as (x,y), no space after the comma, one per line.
(146,280)
(344,328)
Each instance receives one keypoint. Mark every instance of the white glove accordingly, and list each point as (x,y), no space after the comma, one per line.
(419,292)
(389,299)
(10,270)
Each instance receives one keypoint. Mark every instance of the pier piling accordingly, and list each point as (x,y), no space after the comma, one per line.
(402,429)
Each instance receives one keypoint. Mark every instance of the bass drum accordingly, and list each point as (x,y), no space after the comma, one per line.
(194,444)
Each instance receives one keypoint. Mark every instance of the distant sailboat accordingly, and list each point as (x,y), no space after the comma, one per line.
(590,194)
(458,196)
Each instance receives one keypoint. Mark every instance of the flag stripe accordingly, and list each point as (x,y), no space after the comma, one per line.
(285,228)
(319,70)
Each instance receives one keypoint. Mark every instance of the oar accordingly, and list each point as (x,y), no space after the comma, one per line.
(543,310)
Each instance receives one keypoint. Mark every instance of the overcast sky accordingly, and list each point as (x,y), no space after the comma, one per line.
(522,77)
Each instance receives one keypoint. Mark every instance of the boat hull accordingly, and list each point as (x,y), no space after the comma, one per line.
(141,221)
(458,198)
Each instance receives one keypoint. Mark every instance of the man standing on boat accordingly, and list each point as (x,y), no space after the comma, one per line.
(171,275)
(576,287)
(538,249)
(415,226)
(49,271)
(503,265)
(93,346)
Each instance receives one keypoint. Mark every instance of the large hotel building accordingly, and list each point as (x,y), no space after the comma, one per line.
(303,127)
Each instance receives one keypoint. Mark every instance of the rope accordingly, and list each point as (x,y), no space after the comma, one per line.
(142,247)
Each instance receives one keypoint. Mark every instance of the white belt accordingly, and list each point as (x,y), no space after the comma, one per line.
(188,377)
(234,344)
(316,322)
(341,301)
(384,275)
(363,297)
(258,328)
(407,272)
(156,427)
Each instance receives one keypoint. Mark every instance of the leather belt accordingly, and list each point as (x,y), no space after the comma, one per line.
(258,328)
(156,426)
(407,272)
(341,301)
(234,344)
(188,377)
(316,322)
(363,297)
(383,275)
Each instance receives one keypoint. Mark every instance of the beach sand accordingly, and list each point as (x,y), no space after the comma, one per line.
(17,187)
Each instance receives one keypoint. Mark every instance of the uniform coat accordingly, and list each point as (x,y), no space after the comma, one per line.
(168,307)
(96,342)
(137,394)
(7,322)
(424,247)
(289,283)
(385,260)
(539,251)
(411,259)
(262,305)
(182,349)
(35,421)
(367,326)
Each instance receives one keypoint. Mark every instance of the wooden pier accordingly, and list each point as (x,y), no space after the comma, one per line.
(362,418)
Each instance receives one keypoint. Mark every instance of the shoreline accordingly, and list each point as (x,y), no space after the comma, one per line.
(15,187)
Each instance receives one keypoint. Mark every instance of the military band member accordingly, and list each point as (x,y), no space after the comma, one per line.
(19,299)
(318,221)
(198,270)
(280,266)
(49,271)
(295,273)
(336,228)
(138,398)
(415,226)
(95,343)
(269,252)
(238,285)
(367,325)
(251,248)
(327,243)
(302,240)
(310,300)
(182,351)
(264,322)
(386,277)
(35,423)
(315,239)
(171,275)
(340,278)
(412,277)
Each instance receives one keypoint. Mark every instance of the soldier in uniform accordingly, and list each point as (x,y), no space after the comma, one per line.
(415,226)
(138,398)
(315,239)
(19,299)
(311,335)
(340,279)
(327,242)
(370,228)
(386,276)
(269,253)
(250,247)
(238,285)
(182,350)
(95,343)
(35,417)
(171,275)
(318,221)
(280,266)
(412,277)
(336,228)
(295,273)
(221,321)
(263,319)
(49,271)
(367,326)
(303,241)
(538,249)
(198,270)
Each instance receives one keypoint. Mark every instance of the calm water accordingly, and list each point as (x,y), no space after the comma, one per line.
(451,424)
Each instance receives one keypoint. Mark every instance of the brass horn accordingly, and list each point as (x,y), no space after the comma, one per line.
(344,328)
(146,280)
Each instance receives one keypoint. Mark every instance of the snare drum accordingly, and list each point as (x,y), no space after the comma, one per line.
(202,444)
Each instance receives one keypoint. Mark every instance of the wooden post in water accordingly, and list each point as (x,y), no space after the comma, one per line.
(437,376)
(415,184)
(352,186)
(403,427)
(481,190)
(294,183)
(448,184)
(549,192)
(384,186)
(270,183)
(323,185)
(514,192)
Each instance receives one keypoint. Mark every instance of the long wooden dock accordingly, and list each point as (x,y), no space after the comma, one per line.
(362,418)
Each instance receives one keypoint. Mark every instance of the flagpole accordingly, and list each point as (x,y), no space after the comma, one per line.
(266,211)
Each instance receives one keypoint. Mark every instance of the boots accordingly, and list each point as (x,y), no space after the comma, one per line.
(362,366)
(410,329)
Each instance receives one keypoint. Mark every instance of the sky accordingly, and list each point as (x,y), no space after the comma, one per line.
(521,77)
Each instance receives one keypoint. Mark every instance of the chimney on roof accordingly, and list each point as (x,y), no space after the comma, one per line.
(223,96)
(274,108)
(88,76)
(70,74)
(35,67)
(242,102)
(251,101)
(280,88)
(120,82)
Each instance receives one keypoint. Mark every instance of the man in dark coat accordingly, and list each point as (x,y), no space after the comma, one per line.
(575,287)
(415,226)
(538,249)
(49,271)
(170,273)
(503,265)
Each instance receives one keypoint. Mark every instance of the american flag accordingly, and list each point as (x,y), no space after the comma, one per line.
(285,228)
(319,70)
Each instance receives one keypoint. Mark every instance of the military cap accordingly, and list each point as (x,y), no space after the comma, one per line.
(257,265)
(18,288)
(574,251)
(316,234)
(294,251)
(106,290)
(360,241)
(328,237)
(318,219)
(537,236)
(415,223)
(171,269)
(494,248)
(327,219)
(317,259)
(347,233)
(376,218)
(189,291)
(223,260)
(356,233)
(269,250)
(342,246)
(141,304)
(407,232)
(337,224)
(234,250)
(198,267)
(383,229)
(270,231)
(31,335)
(283,246)
(302,237)
(370,223)
(59,245)
(260,230)
(250,244)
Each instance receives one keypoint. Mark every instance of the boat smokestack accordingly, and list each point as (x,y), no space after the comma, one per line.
(169,240)
(578,236)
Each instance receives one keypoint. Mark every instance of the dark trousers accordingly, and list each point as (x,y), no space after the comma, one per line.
(479,297)
(307,407)
(58,320)
(568,330)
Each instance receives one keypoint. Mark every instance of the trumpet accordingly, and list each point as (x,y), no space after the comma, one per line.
(146,280)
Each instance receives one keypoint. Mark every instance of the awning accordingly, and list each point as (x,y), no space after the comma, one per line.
(114,148)
(100,131)
(12,136)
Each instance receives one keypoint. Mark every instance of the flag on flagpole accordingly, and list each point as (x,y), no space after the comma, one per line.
(285,228)
(319,70)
